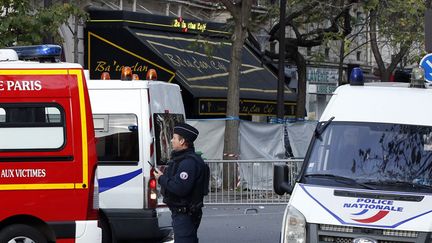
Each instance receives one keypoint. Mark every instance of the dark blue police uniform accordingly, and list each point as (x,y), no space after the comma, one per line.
(179,182)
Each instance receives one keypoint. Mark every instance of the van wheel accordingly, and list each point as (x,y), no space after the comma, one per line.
(106,231)
(21,233)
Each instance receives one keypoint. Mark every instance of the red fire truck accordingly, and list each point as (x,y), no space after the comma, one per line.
(48,187)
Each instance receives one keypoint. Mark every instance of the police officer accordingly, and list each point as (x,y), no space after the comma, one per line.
(181,185)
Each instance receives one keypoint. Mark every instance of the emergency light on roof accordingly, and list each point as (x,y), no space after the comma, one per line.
(8,55)
(356,77)
(41,53)
(105,76)
(151,74)
(417,78)
(126,73)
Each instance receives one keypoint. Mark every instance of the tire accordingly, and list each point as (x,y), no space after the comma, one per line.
(107,236)
(21,233)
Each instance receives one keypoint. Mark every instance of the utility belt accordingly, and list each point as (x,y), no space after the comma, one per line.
(186,210)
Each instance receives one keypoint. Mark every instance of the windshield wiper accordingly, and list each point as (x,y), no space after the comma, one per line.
(398,184)
(346,180)
(322,126)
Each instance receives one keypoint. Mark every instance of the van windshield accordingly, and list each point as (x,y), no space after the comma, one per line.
(371,155)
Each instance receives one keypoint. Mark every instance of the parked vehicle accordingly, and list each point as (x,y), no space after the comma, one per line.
(367,176)
(134,121)
(48,183)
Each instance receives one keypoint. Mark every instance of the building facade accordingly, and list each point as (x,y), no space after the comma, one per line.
(323,75)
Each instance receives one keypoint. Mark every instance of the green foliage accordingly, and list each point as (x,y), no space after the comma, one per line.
(347,45)
(313,18)
(400,21)
(202,45)
(318,56)
(24,24)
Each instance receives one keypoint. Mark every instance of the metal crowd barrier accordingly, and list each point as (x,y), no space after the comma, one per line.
(247,181)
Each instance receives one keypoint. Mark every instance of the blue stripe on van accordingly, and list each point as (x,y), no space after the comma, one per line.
(111,182)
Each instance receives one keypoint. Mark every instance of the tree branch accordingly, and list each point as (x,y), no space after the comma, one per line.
(275,30)
(229,5)
(373,40)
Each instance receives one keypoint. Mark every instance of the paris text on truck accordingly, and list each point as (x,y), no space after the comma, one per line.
(48,181)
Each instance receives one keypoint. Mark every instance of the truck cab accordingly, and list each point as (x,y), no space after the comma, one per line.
(48,178)
(367,175)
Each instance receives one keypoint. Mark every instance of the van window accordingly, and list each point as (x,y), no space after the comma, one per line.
(164,127)
(2,115)
(117,137)
(31,126)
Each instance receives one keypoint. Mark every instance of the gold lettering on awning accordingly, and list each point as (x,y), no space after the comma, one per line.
(106,66)
(185,26)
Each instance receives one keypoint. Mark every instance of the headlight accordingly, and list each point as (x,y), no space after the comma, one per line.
(294,226)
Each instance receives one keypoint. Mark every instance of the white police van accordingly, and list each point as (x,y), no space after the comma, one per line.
(367,175)
(133,123)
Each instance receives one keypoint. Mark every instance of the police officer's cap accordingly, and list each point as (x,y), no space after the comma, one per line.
(187,131)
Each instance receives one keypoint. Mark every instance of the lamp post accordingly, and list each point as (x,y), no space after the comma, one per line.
(281,77)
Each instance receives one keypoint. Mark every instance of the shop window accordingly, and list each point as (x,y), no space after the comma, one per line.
(359,56)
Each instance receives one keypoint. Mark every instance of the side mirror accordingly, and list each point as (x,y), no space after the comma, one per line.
(280,180)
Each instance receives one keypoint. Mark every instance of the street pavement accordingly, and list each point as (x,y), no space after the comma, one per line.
(241,223)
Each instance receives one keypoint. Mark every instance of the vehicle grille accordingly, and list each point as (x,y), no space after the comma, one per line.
(324,233)
(350,240)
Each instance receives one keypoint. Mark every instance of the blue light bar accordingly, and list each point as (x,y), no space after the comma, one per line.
(356,77)
(38,52)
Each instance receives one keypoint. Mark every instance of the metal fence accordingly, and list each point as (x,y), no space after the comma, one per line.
(246,181)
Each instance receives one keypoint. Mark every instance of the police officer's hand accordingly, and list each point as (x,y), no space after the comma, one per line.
(157,173)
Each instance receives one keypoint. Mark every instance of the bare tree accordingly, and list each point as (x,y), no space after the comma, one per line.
(311,22)
(77,17)
(351,43)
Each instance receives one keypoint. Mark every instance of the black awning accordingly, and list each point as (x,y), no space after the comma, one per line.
(201,65)
(197,60)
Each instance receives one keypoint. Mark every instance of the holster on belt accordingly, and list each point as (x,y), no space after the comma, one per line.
(180,209)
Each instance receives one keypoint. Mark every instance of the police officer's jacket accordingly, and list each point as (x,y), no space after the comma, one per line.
(180,178)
